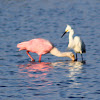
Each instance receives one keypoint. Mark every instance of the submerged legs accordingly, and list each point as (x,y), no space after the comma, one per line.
(76,57)
(40,58)
(30,56)
(82,57)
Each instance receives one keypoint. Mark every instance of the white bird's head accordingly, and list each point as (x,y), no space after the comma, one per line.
(67,29)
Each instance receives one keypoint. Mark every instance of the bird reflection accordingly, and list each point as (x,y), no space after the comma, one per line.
(74,68)
(37,71)
(68,63)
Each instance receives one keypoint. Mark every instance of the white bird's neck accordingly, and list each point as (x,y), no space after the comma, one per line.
(71,33)
(57,53)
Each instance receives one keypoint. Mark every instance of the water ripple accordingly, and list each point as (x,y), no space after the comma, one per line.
(54,78)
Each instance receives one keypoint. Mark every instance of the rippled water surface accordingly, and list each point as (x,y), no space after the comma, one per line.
(54,78)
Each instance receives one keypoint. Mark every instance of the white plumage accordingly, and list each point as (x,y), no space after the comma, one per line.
(75,43)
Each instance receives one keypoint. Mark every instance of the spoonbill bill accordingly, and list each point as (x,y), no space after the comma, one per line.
(75,43)
(41,47)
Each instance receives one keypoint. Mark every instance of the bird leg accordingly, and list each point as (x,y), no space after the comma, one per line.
(40,58)
(30,56)
(82,57)
(76,57)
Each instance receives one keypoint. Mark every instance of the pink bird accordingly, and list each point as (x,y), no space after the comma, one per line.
(41,47)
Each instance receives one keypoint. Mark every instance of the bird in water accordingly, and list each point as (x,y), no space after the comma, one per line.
(41,47)
(75,43)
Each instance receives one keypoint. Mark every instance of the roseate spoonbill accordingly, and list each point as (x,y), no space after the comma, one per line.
(42,46)
(75,43)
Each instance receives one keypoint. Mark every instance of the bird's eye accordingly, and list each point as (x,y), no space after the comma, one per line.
(66,30)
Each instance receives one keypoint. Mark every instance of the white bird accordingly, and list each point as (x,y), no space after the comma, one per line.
(75,43)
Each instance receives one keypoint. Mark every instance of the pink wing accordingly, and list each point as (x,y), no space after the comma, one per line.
(39,46)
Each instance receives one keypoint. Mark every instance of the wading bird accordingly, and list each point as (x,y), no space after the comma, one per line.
(75,43)
(41,47)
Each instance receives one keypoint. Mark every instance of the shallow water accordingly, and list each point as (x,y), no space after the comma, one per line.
(54,78)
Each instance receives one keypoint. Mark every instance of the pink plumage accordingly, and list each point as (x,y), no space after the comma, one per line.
(39,46)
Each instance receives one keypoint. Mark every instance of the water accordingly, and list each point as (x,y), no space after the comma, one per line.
(54,78)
